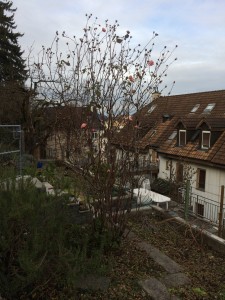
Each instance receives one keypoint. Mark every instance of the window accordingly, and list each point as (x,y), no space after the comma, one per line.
(209,107)
(153,133)
(51,153)
(206,135)
(173,135)
(154,156)
(182,137)
(195,108)
(179,172)
(201,175)
(199,209)
(152,108)
(94,134)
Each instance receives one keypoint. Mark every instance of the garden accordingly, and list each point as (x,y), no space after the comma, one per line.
(44,252)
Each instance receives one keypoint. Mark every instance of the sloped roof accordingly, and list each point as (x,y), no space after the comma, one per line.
(64,117)
(153,131)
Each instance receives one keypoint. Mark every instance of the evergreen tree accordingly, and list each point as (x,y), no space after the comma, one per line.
(12,66)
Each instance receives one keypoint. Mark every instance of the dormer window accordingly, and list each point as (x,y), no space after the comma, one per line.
(206,136)
(195,108)
(182,137)
(209,107)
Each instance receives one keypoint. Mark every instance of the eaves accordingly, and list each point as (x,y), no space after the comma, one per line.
(193,160)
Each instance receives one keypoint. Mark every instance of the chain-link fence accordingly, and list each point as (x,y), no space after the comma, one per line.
(11,144)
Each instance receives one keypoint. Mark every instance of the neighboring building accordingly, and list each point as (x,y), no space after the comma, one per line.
(74,130)
(186,133)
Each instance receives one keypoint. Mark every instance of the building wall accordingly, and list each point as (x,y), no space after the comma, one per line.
(58,144)
(55,146)
(214,179)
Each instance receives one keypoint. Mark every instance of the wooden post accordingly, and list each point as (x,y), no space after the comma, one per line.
(220,229)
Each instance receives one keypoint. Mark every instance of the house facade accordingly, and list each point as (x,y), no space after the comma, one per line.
(186,134)
(74,132)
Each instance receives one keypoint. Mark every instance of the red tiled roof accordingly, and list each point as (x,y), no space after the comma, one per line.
(154,132)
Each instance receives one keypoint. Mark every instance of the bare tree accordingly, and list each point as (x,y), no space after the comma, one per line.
(105,72)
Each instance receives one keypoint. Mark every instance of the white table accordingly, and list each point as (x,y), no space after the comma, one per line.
(147,196)
(143,196)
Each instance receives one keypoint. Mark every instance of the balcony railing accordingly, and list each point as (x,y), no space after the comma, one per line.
(141,165)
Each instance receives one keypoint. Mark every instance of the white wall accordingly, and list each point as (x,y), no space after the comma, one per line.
(214,179)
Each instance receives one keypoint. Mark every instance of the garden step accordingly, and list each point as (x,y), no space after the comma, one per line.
(156,289)
(175,280)
(159,257)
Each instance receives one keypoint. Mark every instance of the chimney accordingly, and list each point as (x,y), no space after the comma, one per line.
(166,117)
(156,94)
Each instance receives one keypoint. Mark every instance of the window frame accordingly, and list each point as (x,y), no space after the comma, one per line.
(202,145)
(209,107)
(201,185)
(195,108)
(173,135)
(151,108)
(179,137)
(95,134)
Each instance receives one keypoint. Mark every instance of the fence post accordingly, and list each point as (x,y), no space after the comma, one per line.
(187,196)
(220,229)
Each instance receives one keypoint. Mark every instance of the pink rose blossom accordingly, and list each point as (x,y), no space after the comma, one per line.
(150,63)
(83,125)
(131,78)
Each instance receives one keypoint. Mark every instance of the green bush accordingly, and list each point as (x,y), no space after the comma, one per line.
(41,251)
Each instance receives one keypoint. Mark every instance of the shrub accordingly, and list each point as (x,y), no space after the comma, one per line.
(41,251)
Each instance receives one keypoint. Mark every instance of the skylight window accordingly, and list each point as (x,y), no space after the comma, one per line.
(152,108)
(195,108)
(153,133)
(173,135)
(209,107)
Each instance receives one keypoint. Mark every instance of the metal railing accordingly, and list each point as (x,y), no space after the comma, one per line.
(11,148)
(202,207)
(141,165)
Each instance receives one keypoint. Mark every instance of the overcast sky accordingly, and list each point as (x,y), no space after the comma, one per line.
(196,26)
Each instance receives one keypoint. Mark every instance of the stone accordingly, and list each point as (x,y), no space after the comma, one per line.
(155,289)
(159,257)
(175,280)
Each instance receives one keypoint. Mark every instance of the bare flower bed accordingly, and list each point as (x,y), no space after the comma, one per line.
(205,267)
(128,265)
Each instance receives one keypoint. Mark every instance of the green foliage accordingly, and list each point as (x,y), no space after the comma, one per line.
(41,250)
(12,64)
(222,295)
(199,291)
